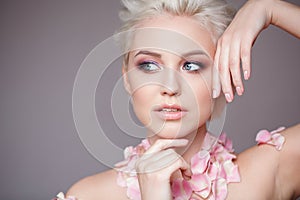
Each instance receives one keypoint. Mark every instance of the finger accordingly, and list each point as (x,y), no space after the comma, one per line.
(175,162)
(186,172)
(234,65)
(162,144)
(161,161)
(216,80)
(246,58)
(224,71)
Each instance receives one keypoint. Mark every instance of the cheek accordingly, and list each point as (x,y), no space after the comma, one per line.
(142,104)
(201,92)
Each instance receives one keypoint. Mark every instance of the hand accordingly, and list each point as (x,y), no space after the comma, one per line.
(157,165)
(234,47)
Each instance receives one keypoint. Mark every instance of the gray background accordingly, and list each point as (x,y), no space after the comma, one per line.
(42,45)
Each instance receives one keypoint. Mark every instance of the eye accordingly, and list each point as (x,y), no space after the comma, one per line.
(149,66)
(192,66)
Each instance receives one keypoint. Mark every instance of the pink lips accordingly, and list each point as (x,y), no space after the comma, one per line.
(170,112)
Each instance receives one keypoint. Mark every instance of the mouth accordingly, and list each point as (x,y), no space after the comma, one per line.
(170,112)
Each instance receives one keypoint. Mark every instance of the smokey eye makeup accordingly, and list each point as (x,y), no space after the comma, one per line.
(193,66)
(152,62)
(187,66)
(149,66)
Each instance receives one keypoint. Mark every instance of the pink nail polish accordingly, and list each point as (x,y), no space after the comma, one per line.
(228,97)
(239,90)
(246,75)
(214,93)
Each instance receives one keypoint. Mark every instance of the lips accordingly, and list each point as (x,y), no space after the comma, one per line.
(170,112)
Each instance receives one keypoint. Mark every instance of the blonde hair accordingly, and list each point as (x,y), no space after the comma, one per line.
(214,15)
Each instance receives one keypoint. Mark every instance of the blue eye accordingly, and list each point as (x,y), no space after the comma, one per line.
(192,66)
(149,66)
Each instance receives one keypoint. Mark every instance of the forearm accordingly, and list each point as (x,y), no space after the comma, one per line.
(287,17)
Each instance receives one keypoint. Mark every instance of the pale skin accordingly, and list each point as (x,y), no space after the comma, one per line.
(265,172)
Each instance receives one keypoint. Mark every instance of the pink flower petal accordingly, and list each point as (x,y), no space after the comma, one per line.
(201,184)
(274,138)
(231,171)
(181,189)
(199,162)
(128,151)
(226,142)
(176,188)
(263,136)
(221,154)
(223,138)
(133,190)
(219,189)
(278,141)
(278,130)
(187,188)
(213,170)
(61,196)
(211,197)
(121,179)
(208,141)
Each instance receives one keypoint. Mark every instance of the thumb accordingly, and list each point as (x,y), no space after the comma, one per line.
(186,171)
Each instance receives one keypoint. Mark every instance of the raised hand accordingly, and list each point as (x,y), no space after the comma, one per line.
(234,46)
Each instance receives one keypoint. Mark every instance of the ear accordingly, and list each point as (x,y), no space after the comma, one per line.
(125,79)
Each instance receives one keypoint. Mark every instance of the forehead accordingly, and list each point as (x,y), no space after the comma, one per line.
(173,34)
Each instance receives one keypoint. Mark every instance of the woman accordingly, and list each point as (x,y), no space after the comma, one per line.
(170,82)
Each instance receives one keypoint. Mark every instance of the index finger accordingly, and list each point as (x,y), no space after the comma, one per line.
(162,144)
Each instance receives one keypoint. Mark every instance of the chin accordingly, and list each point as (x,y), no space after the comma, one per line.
(175,131)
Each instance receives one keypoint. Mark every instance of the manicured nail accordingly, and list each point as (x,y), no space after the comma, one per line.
(239,90)
(228,97)
(214,93)
(246,75)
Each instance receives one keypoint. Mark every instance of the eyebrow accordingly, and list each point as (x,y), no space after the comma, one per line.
(195,52)
(150,53)
(154,54)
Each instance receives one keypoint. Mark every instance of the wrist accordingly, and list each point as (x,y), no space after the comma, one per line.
(270,7)
(272,10)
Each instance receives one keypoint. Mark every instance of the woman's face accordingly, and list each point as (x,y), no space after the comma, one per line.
(168,75)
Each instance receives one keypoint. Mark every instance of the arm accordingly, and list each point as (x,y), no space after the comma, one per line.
(98,186)
(234,46)
(289,163)
(287,17)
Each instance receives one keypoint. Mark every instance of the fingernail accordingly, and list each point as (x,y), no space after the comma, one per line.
(239,90)
(214,93)
(228,97)
(246,75)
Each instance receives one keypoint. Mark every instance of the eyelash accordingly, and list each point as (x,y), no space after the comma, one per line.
(143,66)
(198,64)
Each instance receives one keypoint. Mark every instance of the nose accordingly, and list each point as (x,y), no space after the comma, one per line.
(171,85)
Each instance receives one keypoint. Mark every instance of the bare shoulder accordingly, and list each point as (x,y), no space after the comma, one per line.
(269,173)
(289,162)
(97,187)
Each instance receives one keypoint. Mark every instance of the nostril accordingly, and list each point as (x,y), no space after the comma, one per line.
(170,92)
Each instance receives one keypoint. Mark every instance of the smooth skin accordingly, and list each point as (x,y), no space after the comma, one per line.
(265,172)
(234,46)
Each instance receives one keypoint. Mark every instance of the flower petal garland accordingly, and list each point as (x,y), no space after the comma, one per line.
(127,176)
(273,138)
(61,196)
(212,170)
